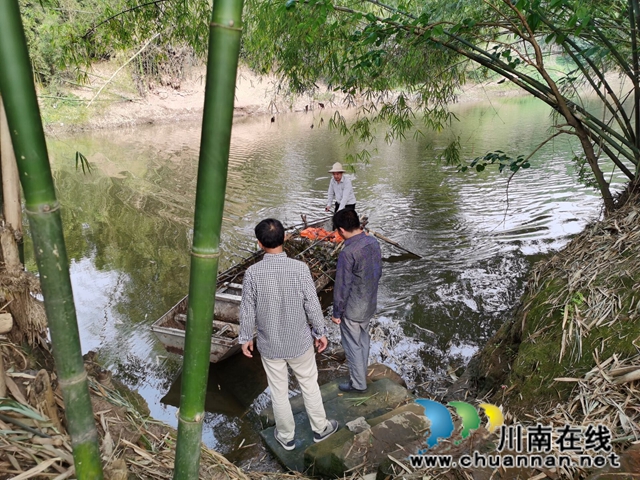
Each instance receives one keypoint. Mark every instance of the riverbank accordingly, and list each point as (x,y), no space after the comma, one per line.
(111,99)
(36,445)
(514,346)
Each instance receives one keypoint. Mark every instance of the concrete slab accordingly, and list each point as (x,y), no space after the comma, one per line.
(383,396)
(375,372)
(401,432)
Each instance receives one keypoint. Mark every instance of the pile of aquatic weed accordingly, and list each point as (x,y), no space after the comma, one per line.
(34,442)
(581,316)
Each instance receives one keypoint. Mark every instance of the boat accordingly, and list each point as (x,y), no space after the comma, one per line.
(318,251)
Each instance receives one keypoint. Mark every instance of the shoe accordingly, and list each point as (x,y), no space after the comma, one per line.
(348,387)
(327,432)
(286,445)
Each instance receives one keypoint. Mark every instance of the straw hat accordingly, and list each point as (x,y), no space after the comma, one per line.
(337,168)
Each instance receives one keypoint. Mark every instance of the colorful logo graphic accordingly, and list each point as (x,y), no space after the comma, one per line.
(442,423)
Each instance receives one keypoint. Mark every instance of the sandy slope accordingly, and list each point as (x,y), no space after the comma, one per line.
(112,100)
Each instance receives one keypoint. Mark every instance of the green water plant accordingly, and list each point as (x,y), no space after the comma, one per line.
(43,211)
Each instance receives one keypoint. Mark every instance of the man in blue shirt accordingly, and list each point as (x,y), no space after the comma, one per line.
(355,295)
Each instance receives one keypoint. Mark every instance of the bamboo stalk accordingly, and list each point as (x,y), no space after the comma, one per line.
(222,66)
(11,208)
(3,382)
(43,211)
(391,242)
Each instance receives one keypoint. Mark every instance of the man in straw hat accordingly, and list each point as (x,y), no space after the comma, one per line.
(340,187)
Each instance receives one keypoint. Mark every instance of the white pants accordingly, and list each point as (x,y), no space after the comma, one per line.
(306,371)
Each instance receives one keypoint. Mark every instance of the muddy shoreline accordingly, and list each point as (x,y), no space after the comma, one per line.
(120,105)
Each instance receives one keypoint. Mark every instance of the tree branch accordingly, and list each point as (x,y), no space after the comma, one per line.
(92,30)
(124,65)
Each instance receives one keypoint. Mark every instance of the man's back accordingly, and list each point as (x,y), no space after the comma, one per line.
(279,294)
(358,274)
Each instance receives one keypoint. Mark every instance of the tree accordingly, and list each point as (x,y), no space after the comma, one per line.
(23,117)
(406,60)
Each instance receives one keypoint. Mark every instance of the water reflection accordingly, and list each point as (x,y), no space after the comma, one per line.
(128,232)
(232,386)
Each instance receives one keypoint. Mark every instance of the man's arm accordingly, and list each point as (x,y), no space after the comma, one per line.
(312,305)
(247,314)
(342,288)
(329,195)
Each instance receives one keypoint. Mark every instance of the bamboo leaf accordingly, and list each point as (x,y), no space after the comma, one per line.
(9,405)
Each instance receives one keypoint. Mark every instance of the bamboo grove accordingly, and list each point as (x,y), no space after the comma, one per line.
(18,89)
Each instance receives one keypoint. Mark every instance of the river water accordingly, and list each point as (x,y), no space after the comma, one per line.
(128,232)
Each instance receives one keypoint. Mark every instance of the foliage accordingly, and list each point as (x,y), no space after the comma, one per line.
(66,36)
(53,29)
(499,158)
(406,59)
(82,161)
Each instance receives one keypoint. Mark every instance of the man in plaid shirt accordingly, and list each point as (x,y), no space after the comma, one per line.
(279,300)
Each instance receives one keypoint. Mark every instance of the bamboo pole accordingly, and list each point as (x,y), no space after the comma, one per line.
(395,244)
(10,179)
(43,211)
(224,47)
(11,206)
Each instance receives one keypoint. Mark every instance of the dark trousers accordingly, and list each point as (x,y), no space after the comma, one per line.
(356,341)
(346,207)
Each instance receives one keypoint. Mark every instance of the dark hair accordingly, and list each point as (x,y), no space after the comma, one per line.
(270,233)
(347,219)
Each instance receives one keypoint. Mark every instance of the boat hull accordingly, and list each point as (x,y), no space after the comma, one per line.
(170,328)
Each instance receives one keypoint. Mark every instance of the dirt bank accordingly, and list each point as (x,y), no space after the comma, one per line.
(571,353)
(111,98)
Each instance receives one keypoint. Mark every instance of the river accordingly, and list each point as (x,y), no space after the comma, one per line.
(128,231)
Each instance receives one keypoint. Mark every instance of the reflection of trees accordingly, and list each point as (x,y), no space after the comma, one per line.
(122,230)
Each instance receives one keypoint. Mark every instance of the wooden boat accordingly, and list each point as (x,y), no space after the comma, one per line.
(321,256)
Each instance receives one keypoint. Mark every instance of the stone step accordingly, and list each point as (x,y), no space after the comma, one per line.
(329,391)
(387,408)
(398,433)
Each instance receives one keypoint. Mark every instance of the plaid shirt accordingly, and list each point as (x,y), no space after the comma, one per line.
(279,299)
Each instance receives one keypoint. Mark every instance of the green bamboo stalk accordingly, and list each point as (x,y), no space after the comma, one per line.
(18,91)
(634,18)
(222,65)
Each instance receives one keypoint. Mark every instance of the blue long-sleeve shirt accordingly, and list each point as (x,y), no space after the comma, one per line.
(355,295)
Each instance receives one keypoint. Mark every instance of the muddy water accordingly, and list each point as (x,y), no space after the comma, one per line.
(128,232)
